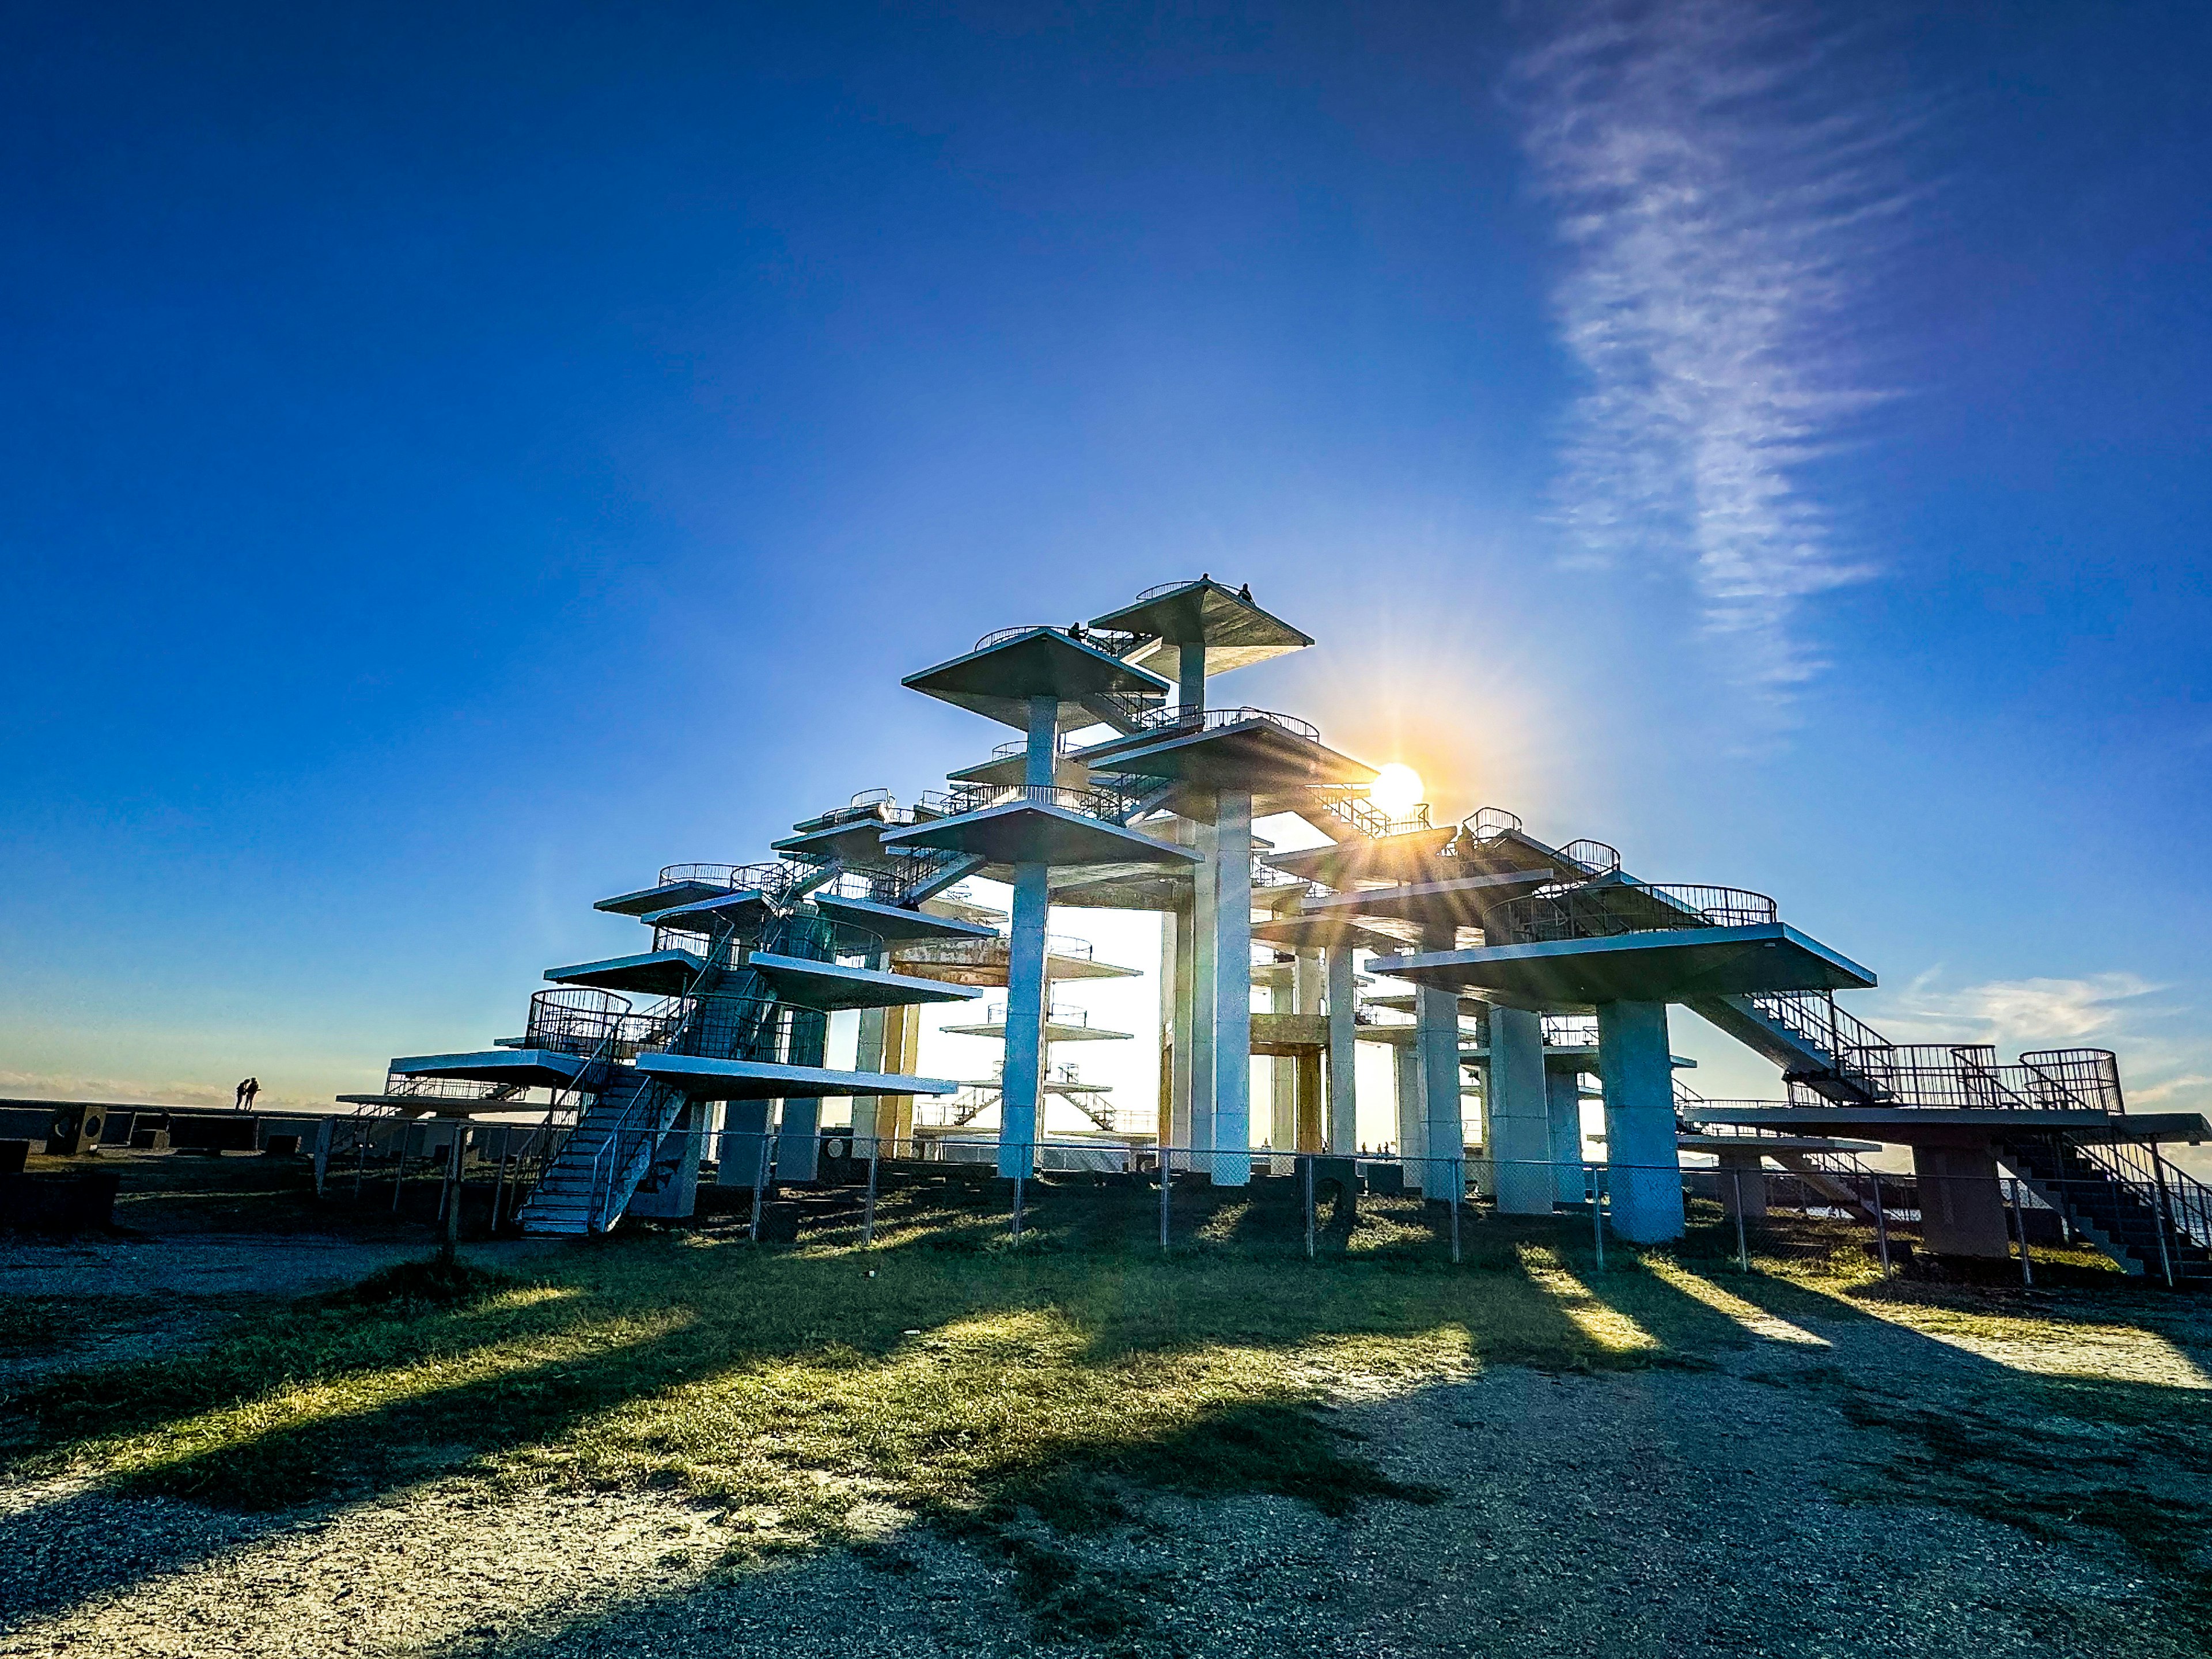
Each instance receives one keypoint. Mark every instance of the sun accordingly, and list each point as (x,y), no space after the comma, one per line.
(1396,787)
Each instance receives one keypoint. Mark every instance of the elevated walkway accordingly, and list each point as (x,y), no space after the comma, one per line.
(1576,974)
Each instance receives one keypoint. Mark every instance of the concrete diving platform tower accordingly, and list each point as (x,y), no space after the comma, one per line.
(1040,680)
(1624,951)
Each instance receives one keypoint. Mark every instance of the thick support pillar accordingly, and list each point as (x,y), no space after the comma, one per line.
(1232,980)
(1644,1173)
(1282,1085)
(799,1141)
(1743,1185)
(1022,1077)
(744,1122)
(1181,973)
(1563,1111)
(670,1190)
(1962,1209)
(1343,1052)
(868,1053)
(1190,677)
(1435,1020)
(1205,950)
(902,1058)
(1413,1130)
(1519,1143)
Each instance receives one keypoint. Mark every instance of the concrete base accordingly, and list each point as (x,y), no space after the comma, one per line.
(1962,1210)
(1520,1139)
(1643,1172)
(744,1122)
(799,1141)
(1563,1114)
(670,1191)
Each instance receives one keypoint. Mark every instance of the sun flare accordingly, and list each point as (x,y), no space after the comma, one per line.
(1396,787)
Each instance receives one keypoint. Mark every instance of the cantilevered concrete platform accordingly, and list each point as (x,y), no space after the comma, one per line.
(1026,831)
(1219,751)
(1235,632)
(668,894)
(1570,975)
(536,1068)
(829,986)
(1325,930)
(746,908)
(896,925)
(1458,900)
(998,679)
(653,973)
(761,1080)
(1055,1031)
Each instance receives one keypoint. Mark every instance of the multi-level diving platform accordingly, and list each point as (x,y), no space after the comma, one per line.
(1525,982)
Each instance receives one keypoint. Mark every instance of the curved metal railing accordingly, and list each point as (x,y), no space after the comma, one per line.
(770,877)
(1487,822)
(2091,1076)
(1599,858)
(1000,635)
(1158,588)
(1344,803)
(1605,909)
(700,945)
(573,1019)
(1193,720)
(1096,802)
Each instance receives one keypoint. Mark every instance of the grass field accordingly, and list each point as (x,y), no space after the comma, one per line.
(1019,1399)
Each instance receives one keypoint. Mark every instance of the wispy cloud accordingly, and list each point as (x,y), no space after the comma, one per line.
(2093,1011)
(1722,200)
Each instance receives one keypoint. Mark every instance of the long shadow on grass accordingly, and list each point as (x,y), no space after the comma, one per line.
(885,1338)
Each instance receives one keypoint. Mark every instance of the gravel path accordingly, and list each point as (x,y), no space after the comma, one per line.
(1664,1512)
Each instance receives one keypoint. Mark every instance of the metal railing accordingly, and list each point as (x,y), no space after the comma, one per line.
(1813,1016)
(1000,635)
(869,805)
(1344,803)
(1488,823)
(690,939)
(2091,1076)
(963,798)
(1570,1032)
(1607,909)
(1196,720)
(1598,858)
(1060,1013)
(1158,588)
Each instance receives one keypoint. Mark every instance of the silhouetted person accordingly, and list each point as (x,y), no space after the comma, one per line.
(1245,593)
(247,1090)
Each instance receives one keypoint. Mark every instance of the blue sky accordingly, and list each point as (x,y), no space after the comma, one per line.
(457,459)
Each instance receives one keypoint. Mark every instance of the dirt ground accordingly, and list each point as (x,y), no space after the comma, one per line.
(1827,1486)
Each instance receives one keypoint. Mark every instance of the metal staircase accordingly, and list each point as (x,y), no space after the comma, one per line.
(2139,1210)
(728,1012)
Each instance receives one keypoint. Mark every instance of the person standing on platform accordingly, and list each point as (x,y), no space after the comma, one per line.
(247,1090)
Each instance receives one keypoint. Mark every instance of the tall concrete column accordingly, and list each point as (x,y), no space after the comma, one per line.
(799,1140)
(1343,1051)
(1282,1084)
(902,1058)
(1184,978)
(1190,677)
(868,1056)
(1563,1111)
(1412,1099)
(1232,982)
(1022,1077)
(1519,1143)
(1205,952)
(744,1123)
(1644,1171)
(1436,1017)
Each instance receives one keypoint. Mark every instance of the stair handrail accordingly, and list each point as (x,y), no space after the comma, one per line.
(1609,910)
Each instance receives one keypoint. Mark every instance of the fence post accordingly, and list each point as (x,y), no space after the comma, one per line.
(1881,1225)
(1018,1209)
(2162,1212)
(1166,1175)
(360,1162)
(1742,1249)
(1597,1213)
(868,1213)
(2019,1224)
(399,1174)
(1459,1195)
(760,1181)
(453,1195)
